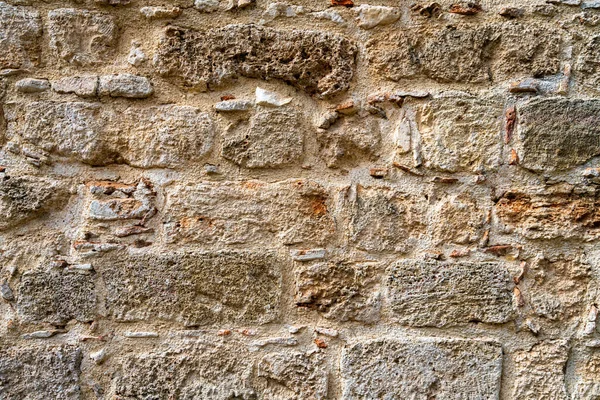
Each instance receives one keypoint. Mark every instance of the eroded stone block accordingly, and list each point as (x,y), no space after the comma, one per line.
(421,369)
(193,288)
(317,62)
(20,36)
(433,293)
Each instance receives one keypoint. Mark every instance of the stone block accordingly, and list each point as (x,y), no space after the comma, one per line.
(20,37)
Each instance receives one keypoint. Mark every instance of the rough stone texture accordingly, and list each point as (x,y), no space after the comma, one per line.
(40,372)
(318,63)
(197,288)
(422,369)
(431,293)
(20,36)
(557,134)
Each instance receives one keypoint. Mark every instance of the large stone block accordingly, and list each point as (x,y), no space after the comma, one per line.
(41,373)
(460,134)
(57,296)
(550,216)
(192,288)
(557,133)
(317,62)
(422,369)
(81,37)
(433,293)
(20,34)
(273,138)
(229,213)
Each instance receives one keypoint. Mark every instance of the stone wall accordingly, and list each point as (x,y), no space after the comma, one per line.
(243,199)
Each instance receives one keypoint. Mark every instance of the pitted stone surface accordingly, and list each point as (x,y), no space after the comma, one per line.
(20,37)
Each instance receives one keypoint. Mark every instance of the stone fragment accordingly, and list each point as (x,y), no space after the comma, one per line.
(136,55)
(540,371)
(206,6)
(41,372)
(268,98)
(125,85)
(25,197)
(226,213)
(122,205)
(83,86)
(113,2)
(433,293)
(421,368)
(32,85)
(316,62)
(192,288)
(559,215)
(140,335)
(153,13)
(458,219)
(333,16)
(55,296)
(558,133)
(465,8)
(349,140)
(340,290)
(590,4)
(308,255)
(20,37)
(525,86)
(274,138)
(6,292)
(512,12)
(371,16)
(42,334)
(279,341)
(81,37)
(234,105)
(98,356)
(384,219)
(278,9)
(460,134)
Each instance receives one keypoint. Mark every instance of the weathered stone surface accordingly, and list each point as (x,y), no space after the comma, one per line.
(432,293)
(558,133)
(211,213)
(340,290)
(559,215)
(32,85)
(160,12)
(125,85)
(161,136)
(193,288)
(25,197)
(81,37)
(588,61)
(539,371)
(460,134)
(318,63)
(458,219)
(384,219)
(83,86)
(421,369)
(272,138)
(40,373)
(20,36)
(56,296)
(112,201)
(371,16)
(585,383)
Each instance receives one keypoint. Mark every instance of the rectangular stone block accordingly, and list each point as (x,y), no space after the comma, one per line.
(433,293)
(192,288)
(421,369)
(228,213)
(20,36)
(56,296)
(40,373)
(550,216)
(557,133)
(319,63)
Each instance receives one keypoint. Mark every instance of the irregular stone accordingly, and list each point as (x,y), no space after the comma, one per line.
(206,6)
(371,16)
(539,371)
(349,139)
(136,55)
(458,219)
(268,98)
(308,255)
(125,85)
(141,335)
(340,290)
(276,10)
(193,288)
(273,138)
(559,215)
(31,85)
(316,62)
(20,37)
(558,133)
(297,376)
(83,86)
(153,13)
(591,4)
(211,213)
(81,37)
(121,202)
(55,296)
(23,198)
(234,105)
(384,219)
(329,15)
(40,372)
(421,369)
(433,293)
(460,134)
